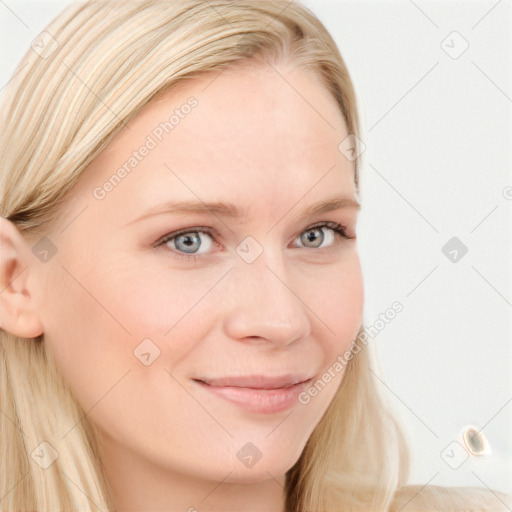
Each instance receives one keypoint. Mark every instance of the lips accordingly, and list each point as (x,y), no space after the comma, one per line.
(258,393)
(257,381)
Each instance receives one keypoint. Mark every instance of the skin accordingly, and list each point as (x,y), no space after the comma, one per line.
(254,141)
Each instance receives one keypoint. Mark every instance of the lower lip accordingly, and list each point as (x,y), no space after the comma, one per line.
(266,401)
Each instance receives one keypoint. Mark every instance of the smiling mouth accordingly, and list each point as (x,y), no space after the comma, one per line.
(258,381)
(266,398)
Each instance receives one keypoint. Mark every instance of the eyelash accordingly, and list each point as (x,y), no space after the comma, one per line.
(340,232)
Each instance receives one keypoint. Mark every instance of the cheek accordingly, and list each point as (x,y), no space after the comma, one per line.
(339,306)
(349,300)
(149,294)
(87,332)
(338,303)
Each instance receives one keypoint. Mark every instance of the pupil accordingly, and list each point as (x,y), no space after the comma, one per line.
(313,235)
(188,241)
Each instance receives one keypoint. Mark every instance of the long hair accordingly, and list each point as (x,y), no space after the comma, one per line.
(101,62)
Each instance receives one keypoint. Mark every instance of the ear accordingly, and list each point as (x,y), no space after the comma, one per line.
(18,312)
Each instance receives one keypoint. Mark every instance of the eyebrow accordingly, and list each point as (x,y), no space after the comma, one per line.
(230,210)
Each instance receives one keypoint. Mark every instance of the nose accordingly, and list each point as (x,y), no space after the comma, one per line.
(265,304)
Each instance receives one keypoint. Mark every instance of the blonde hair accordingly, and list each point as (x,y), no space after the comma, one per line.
(103,62)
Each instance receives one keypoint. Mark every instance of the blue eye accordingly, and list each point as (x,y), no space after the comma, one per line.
(188,240)
(185,243)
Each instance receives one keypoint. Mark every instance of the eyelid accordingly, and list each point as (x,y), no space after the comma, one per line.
(340,231)
(196,229)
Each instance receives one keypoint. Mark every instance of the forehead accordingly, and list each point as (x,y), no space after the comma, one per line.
(241,135)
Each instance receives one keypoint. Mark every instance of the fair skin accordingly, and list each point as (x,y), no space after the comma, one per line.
(252,140)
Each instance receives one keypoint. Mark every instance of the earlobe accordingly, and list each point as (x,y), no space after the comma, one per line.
(18,311)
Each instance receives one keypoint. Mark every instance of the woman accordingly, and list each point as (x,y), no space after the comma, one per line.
(182,296)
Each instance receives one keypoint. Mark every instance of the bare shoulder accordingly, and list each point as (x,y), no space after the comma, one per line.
(416,498)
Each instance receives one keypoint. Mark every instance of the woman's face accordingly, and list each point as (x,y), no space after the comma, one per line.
(136,315)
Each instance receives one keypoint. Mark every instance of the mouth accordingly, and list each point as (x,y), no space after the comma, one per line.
(257,381)
(257,394)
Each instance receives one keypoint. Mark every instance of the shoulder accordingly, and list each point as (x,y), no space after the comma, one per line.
(434,498)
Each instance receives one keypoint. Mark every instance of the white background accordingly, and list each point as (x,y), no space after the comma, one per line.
(437,163)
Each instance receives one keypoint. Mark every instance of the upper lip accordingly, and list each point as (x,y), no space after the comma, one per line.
(257,381)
